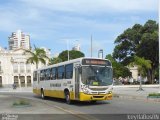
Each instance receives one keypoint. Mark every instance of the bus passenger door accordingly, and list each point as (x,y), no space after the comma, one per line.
(77,83)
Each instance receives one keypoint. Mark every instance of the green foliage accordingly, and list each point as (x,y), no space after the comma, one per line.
(141,41)
(54,60)
(157,73)
(156,95)
(20,102)
(36,56)
(119,70)
(73,54)
(143,65)
(127,42)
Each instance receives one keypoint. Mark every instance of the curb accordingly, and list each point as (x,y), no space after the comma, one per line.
(15,91)
(122,96)
(136,86)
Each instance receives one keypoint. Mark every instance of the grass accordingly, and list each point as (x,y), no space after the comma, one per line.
(21,103)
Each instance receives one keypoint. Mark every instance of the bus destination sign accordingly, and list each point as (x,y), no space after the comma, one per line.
(95,62)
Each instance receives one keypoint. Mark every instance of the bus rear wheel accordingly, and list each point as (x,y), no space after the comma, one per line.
(42,94)
(67,97)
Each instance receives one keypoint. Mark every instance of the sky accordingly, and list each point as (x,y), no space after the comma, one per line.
(51,23)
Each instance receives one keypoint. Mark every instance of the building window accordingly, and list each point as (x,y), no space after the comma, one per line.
(15,67)
(0,81)
(22,81)
(16,80)
(0,67)
(28,68)
(28,81)
(21,67)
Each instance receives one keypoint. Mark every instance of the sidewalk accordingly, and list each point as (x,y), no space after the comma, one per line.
(10,89)
(132,92)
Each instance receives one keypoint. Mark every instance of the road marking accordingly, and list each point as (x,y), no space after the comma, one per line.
(78,114)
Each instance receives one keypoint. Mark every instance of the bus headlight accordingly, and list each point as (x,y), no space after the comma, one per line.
(85,91)
(109,92)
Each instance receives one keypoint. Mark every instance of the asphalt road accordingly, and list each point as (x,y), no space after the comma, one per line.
(101,109)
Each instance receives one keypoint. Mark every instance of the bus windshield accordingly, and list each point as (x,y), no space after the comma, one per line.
(96,75)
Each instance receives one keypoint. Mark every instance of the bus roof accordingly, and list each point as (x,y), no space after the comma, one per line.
(68,62)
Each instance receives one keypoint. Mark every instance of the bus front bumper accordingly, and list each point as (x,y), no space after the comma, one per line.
(95,97)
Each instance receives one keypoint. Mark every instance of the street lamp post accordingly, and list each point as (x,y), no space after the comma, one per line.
(140,83)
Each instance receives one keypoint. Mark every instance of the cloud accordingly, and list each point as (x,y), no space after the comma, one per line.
(94,6)
(55,20)
(58,15)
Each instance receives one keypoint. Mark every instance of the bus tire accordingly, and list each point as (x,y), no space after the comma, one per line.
(42,94)
(67,97)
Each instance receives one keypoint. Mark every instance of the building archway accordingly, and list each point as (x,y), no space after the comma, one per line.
(22,81)
(16,80)
(0,81)
(28,81)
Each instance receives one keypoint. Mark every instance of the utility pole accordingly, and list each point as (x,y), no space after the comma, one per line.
(68,49)
(91,46)
(159,46)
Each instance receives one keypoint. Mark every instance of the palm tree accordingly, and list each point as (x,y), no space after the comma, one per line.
(142,64)
(38,55)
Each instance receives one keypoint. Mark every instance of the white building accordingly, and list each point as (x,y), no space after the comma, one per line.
(76,47)
(18,40)
(13,67)
(134,71)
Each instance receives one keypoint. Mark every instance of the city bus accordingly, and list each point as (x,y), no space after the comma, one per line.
(82,79)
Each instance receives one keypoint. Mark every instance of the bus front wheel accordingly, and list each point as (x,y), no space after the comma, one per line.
(67,97)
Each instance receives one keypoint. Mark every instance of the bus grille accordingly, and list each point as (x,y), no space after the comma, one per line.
(98,92)
(98,96)
(98,89)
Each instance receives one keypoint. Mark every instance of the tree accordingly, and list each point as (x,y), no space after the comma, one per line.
(141,41)
(119,70)
(73,54)
(54,60)
(126,44)
(36,56)
(149,47)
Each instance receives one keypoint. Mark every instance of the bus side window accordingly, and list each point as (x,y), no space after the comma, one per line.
(41,75)
(35,76)
(60,72)
(69,71)
(53,73)
(48,74)
(45,75)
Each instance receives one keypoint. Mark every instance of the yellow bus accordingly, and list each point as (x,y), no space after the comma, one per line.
(82,79)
